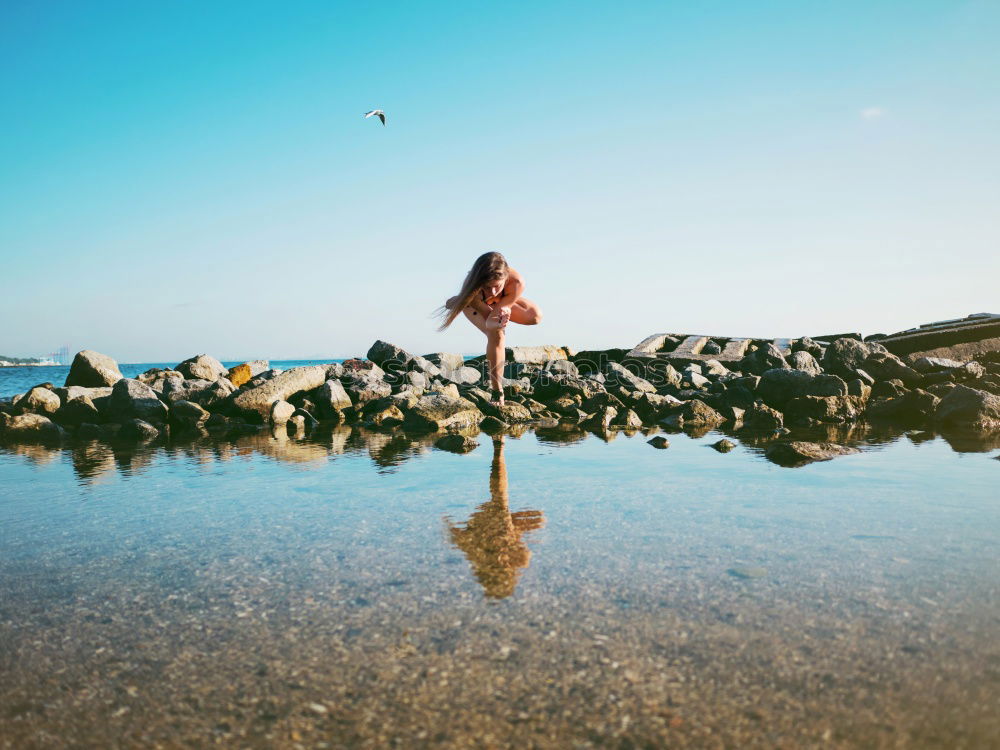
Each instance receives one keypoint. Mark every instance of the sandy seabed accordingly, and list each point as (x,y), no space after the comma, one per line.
(222,655)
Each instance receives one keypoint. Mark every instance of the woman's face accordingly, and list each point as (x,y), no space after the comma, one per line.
(493,288)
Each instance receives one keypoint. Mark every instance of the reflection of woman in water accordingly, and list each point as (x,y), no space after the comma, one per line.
(491,538)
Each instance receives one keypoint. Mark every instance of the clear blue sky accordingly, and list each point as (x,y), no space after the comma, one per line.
(180,177)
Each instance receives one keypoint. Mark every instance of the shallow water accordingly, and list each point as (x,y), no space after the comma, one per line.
(548,589)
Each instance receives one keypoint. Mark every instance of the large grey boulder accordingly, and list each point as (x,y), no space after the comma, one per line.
(664,375)
(450,390)
(385,415)
(398,363)
(358,368)
(177,389)
(914,408)
(806,362)
(138,431)
(30,428)
(650,406)
(415,379)
(887,366)
(201,367)
(694,379)
(559,385)
(214,394)
(97,395)
(332,400)
(462,375)
(156,378)
(935,364)
(844,356)
(255,401)
(762,418)
(188,415)
(131,399)
(562,367)
(77,411)
(824,408)
(367,388)
(536,355)
(601,419)
(693,413)
(510,413)
(382,353)
(713,368)
(93,369)
(445,360)
(797,453)
(425,367)
(969,408)
(763,358)
(39,400)
(618,374)
(737,392)
(806,344)
(439,412)
(778,387)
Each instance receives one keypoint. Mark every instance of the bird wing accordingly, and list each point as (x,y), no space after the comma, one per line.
(369,114)
(381,117)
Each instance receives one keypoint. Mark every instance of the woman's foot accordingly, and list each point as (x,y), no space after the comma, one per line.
(497,399)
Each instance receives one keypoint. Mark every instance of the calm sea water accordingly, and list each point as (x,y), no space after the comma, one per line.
(549,589)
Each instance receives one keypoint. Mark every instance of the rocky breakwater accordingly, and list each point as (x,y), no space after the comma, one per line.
(762,399)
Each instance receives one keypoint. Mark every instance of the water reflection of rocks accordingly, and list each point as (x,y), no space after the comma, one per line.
(493,537)
(388,449)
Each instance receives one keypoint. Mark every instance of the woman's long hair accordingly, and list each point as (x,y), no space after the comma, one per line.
(489,268)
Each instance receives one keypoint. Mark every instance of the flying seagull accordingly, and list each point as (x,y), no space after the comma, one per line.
(376,113)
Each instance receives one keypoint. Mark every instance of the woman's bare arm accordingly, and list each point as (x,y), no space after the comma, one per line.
(513,289)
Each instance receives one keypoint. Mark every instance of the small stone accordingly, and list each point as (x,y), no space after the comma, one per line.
(659,442)
(281,412)
(798,453)
(319,708)
(724,445)
(455,443)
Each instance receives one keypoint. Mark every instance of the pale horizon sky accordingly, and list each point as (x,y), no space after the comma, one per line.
(182,178)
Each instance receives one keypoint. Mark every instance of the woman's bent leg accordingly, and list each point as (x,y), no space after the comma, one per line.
(525,312)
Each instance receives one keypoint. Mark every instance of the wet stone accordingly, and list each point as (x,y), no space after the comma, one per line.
(456,443)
